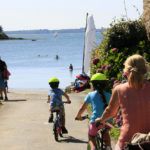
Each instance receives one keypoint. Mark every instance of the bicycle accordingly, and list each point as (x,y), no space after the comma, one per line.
(57,125)
(99,138)
(100,144)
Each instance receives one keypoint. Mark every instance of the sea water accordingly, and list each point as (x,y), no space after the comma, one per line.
(33,62)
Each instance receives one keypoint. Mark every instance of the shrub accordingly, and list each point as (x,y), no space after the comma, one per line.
(121,40)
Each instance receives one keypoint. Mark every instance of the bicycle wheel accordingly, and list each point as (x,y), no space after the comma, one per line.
(100,145)
(98,142)
(55,131)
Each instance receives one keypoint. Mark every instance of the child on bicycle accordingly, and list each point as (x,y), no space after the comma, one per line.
(55,100)
(98,100)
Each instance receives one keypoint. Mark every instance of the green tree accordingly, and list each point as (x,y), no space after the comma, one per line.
(121,40)
(1,29)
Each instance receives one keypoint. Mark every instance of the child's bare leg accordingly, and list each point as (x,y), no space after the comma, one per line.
(92,142)
(51,116)
(1,94)
(5,93)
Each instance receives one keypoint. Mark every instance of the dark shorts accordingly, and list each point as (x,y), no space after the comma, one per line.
(2,83)
(57,108)
(5,82)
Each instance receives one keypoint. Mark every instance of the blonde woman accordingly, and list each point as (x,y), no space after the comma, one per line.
(133,97)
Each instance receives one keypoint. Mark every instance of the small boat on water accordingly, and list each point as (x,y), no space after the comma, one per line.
(33,40)
(55,34)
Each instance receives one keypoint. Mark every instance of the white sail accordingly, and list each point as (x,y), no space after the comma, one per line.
(90,43)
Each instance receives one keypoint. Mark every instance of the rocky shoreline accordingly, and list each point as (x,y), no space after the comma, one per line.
(4,36)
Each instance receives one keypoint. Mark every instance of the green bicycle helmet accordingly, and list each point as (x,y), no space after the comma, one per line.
(98,77)
(53,80)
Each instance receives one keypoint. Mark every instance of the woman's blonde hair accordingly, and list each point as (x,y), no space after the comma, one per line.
(136,67)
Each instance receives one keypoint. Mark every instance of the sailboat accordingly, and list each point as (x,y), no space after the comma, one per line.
(89,43)
(82,80)
(55,34)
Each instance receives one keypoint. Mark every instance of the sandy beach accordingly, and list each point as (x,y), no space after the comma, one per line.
(24,123)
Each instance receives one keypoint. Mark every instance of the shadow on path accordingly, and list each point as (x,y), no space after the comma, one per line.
(71,139)
(16,100)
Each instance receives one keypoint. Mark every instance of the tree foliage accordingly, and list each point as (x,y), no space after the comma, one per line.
(121,40)
(3,36)
(1,29)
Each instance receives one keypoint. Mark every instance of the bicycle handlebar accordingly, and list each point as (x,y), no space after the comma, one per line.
(107,124)
(82,118)
(66,102)
(98,124)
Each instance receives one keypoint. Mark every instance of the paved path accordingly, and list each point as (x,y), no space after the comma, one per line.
(23,123)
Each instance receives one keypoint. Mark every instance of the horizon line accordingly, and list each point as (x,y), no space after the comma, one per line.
(50,29)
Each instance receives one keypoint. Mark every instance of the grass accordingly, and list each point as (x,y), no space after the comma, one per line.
(114,133)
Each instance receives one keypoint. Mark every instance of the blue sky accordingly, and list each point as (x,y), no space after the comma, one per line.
(63,14)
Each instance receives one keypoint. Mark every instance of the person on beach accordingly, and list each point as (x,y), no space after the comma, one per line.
(3,70)
(133,98)
(98,100)
(57,57)
(71,67)
(6,75)
(55,100)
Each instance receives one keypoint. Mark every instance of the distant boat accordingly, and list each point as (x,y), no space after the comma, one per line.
(55,34)
(33,40)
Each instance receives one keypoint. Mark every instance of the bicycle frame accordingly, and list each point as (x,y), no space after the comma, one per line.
(100,144)
(99,138)
(57,126)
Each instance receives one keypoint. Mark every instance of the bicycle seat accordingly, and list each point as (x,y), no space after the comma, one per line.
(98,124)
(56,110)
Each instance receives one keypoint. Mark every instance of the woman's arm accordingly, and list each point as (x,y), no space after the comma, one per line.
(111,109)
